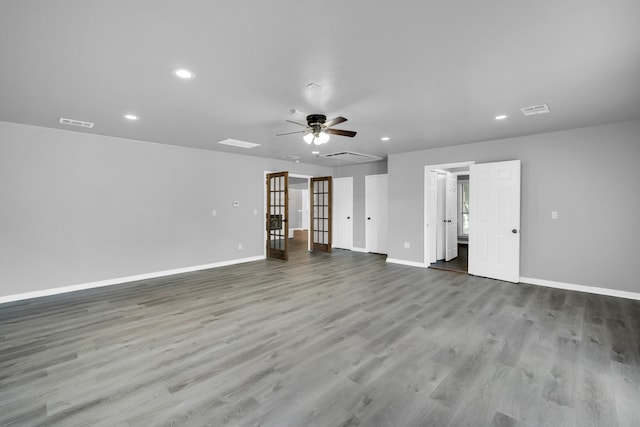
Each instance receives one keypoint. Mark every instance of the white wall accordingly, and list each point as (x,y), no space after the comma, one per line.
(78,207)
(589,175)
(295,208)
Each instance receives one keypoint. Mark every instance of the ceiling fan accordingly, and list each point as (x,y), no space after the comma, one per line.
(318,129)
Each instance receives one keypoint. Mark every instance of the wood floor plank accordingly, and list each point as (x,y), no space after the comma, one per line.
(341,339)
(595,400)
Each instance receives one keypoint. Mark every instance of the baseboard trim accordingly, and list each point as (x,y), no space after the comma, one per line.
(355,249)
(119,280)
(409,263)
(581,288)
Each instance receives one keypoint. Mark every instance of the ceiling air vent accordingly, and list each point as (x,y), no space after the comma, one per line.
(350,156)
(78,123)
(238,143)
(535,109)
(290,157)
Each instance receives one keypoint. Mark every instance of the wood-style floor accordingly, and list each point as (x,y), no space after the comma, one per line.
(339,339)
(459,263)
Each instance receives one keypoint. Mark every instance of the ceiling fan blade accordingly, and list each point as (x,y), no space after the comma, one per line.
(341,132)
(289,133)
(335,121)
(296,123)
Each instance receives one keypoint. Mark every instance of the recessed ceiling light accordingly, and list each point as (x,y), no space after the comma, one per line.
(315,152)
(184,73)
(501,117)
(385,138)
(131,117)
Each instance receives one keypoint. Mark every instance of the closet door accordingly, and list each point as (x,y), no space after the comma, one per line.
(343,213)
(376,213)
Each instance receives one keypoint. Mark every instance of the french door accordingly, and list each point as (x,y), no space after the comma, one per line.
(277,215)
(321,214)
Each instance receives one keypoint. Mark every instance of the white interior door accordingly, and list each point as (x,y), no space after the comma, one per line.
(343,212)
(441,219)
(451,217)
(494,220)
(432,206)
(376,213)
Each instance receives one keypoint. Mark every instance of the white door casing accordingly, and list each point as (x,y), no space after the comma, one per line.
(376,212)
(451,217)
(343,213)
(494,220)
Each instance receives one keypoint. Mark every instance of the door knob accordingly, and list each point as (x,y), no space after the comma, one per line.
(368,217)
(514,231)
(348,217)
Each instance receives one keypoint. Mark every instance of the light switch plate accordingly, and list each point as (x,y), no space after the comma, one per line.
(554,214)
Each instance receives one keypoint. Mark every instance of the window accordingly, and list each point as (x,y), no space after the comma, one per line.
(463,207)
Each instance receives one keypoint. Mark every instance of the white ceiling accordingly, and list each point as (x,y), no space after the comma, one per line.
(424,73)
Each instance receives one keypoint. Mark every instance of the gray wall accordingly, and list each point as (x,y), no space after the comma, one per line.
(77,207)
(358,172)
(589,175)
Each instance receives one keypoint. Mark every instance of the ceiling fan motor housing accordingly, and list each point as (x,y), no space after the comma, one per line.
(316,119)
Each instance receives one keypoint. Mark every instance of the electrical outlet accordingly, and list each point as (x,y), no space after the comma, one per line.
(239,246)
(554,215)
(236,203)
(255,211)
(214,213)
(407,245)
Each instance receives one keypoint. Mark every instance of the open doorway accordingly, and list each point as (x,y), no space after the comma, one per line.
(309,216)
(493,217)
(459,260)
(447,216)
(298,213)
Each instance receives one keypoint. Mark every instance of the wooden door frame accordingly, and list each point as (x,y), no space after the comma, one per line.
(264,206)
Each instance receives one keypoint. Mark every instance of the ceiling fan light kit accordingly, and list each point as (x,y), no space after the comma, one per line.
(316,138)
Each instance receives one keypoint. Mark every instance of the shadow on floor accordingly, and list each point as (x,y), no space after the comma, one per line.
(459,264)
